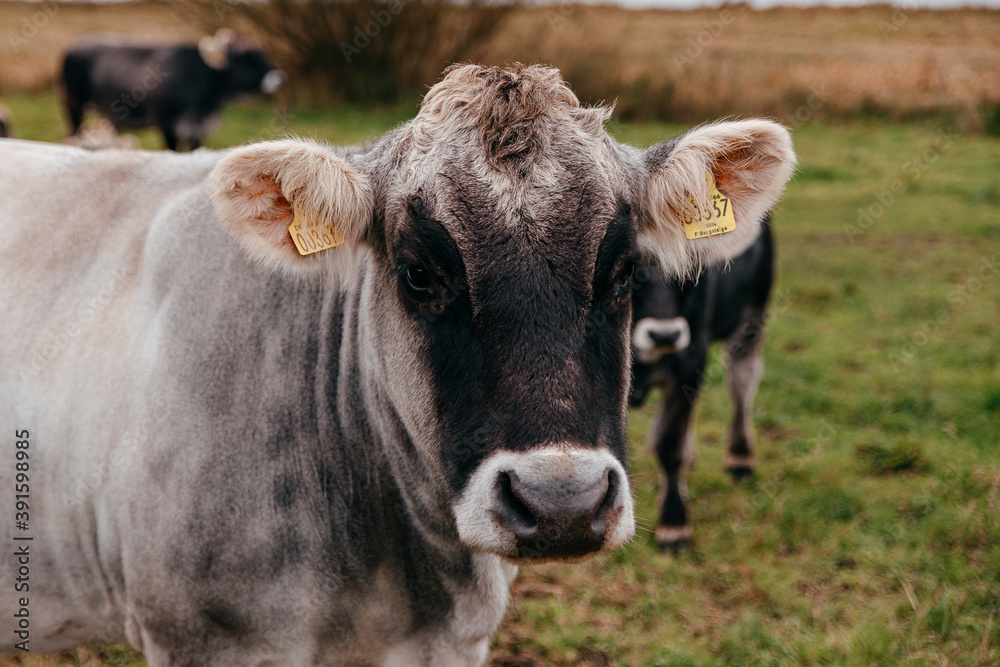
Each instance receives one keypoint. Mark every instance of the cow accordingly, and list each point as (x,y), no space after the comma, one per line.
(675,321)
(300,404)
(178,89)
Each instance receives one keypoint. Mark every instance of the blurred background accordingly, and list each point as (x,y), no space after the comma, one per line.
(871,533)
(877,62)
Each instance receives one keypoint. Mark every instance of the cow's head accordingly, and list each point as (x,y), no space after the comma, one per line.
(499,231)
(658,308)
(247,69)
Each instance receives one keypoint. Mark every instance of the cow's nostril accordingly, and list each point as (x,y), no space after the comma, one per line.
(606,514)
(664,337)
(514,512)
(555,515)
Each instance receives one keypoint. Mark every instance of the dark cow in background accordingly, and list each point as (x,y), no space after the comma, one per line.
(6,129)
(675,321)
(343,461)
(179,89)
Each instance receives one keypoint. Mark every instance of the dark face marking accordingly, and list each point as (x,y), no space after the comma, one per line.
(524,325)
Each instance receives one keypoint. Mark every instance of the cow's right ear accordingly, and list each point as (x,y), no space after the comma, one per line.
(261,189)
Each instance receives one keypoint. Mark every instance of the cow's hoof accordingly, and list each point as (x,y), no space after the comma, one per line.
(673,539)
(675,548)
(741,473)
(740,467)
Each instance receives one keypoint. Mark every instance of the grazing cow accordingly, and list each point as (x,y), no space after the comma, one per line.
(178,89)
(675,321)
(343,460)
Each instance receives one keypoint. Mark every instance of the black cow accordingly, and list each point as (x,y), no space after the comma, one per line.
(674,323)
(179,89)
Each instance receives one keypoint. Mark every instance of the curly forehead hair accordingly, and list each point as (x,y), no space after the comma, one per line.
(515,110)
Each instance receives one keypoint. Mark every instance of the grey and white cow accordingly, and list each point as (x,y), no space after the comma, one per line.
(341,461)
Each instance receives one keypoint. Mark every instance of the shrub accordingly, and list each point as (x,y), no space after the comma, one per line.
(362,51)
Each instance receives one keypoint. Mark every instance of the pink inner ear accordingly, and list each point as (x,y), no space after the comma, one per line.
(737,171)
(270,212)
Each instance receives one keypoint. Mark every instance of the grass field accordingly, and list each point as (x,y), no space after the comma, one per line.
(871,535)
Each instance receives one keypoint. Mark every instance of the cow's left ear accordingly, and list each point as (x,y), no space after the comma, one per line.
(261,189)
(749,162)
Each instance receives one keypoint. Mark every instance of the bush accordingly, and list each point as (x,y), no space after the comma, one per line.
(362,51)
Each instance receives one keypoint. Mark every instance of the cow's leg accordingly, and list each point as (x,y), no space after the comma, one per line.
(746,365)
(74,110)
(169,136)
(673,441)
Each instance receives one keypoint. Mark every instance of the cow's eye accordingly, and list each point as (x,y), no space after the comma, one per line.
(624,284)
(418,279)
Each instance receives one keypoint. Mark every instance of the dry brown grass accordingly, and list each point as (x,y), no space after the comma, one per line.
(796,64)
(793,64)
(33,36)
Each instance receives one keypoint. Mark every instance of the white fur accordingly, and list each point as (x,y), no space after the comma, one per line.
(257,187)
(670,534)
(751,161)
(647,351)
(273,81)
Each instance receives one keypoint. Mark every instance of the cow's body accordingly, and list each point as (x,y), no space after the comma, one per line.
(171,88)
(232,467)
(274,520)
(675,322)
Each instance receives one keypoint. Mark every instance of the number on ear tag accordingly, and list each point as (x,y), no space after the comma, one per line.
(718,219)
(310,238)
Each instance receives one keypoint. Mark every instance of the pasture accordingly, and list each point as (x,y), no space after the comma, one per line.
(871,534)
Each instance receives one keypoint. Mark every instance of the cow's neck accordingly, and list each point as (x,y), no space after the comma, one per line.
(441,573)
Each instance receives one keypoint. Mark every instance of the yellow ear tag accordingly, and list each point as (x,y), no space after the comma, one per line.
(718,219)
(312,238)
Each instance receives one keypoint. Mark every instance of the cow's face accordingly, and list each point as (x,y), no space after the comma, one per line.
(660,328)
(248,71)
(503,227)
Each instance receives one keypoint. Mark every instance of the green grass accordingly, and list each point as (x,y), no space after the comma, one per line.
(871,535)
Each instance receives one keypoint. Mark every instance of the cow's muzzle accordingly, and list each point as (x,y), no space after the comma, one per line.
(547,504)
(273,81)
(652,338)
